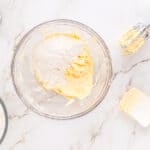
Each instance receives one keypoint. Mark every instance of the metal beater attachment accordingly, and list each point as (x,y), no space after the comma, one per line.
(135,38)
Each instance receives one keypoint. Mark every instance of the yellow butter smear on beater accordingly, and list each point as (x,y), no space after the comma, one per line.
(78,74)
(131,41)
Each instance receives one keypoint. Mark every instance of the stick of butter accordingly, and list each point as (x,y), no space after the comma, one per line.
(137,105)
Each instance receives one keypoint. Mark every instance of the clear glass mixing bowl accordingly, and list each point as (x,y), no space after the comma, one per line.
(50,104)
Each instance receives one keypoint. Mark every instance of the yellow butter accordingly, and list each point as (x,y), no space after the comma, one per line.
(130,99)
(136,104)
(131,41)
(79,77)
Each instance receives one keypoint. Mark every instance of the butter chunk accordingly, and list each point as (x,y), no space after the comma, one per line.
(79,77)
(137,105)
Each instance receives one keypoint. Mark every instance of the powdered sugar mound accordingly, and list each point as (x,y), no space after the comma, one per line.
(53,55)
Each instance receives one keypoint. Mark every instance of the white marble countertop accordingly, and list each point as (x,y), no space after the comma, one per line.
(104,128)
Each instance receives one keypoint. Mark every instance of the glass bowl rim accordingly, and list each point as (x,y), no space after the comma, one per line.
(107,84)
(6,121)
